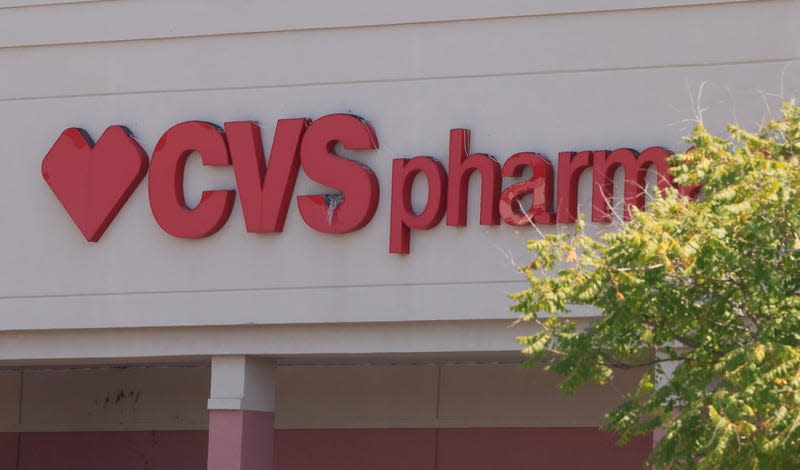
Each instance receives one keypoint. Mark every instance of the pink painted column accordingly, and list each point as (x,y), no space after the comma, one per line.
(241,413)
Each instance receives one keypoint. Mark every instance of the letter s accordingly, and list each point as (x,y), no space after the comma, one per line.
(358,191)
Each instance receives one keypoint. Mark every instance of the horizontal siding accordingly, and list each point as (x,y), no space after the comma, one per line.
(508,395)
(8,4)
(342,304)
(104,399)
(426,395)
(446,396)
(731,33)
(113,20)
(117,399)
(356,397)
(133,344)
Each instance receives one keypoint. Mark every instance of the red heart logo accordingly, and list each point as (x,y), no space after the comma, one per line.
(93,181)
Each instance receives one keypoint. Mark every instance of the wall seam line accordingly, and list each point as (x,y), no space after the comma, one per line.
(775,60)
(378,25)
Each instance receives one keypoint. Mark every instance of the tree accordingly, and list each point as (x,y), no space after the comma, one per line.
(712,285)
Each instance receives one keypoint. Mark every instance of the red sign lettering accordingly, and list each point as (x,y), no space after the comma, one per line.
(265,188)
(462,164)
(93,181)
(165,183)
(403,217)
(539,186)
(357,200)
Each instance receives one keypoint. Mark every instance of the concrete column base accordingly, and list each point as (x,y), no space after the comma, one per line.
(240,440)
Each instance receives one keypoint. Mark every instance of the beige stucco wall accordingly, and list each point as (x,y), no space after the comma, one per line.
(541,76)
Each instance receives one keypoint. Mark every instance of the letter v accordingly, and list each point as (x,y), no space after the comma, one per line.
(265,188)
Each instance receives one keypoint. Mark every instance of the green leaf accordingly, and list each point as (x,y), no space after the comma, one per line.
(712,283)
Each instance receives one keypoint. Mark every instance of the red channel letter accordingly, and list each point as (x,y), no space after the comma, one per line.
(403,217)
(265,189)
(461,166)
(165,182)
(635,167)
(358,191)
(570,167)
(539,186)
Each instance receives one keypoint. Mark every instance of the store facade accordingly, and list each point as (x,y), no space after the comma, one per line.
(170,301)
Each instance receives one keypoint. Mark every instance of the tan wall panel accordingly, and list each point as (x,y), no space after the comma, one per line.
(508,396)
(324,396)
(406,397)
(9,400)
(88,21)
(130,344)
(743,32)
(356,396)
(137,398)
(55,268)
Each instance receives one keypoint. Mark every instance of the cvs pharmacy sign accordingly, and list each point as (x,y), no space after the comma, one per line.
(94,180)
